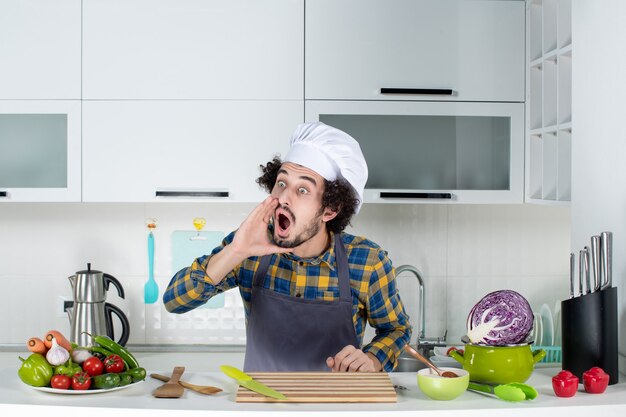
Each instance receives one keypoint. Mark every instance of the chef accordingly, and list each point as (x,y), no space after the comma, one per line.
(308,287)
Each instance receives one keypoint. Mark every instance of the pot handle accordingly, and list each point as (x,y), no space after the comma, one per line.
(111,309)
(458,356)
(538,355)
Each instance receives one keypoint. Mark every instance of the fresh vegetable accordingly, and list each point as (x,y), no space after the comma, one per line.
(106,381)
(503,317)
(117,349)
(35,370)
(138,374)
(58,336)
(125,378)
(57,354)
(36,345)
(565,384)
(79,355)
(93,366)
(114,364)
(68,369)
(81,381)
(595,380)
(61,382)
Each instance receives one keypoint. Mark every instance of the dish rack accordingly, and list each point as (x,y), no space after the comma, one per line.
(553,354)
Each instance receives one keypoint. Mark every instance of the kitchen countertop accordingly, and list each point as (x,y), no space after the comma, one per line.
(202,369)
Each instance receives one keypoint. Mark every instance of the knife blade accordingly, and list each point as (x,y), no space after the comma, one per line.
(587,270)
(595,263)
(581,271)
(572,272)
(246,381)
(606,258)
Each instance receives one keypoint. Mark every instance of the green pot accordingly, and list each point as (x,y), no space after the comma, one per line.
(498,364)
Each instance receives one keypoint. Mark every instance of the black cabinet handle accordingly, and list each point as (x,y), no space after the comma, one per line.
(3,194)
(415,91)
(221,194)
(395,194)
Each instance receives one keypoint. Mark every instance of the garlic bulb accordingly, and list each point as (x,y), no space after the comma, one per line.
(57,355)
(80,355)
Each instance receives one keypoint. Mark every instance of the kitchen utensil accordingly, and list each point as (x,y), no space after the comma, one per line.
(89,312)
(442,388)
(246,381)
(606,259)
(581,272)
(151,289)
(323,387)
(202,389)
(572,273)
(547,323)
(595,263)
(513,392)
(537,329)
(417,355)
(171,389)
(587,269)
(498,364)
(188,245)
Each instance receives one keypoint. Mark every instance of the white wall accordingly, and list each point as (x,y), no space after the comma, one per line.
(599,134)
(463,252)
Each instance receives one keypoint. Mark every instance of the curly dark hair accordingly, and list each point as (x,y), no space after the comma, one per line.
(338,195)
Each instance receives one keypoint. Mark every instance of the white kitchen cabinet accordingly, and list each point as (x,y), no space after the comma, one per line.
(40,43)
(434,152)
(549,102)
(465,50)
(193,49)
(198,150)
(40,150)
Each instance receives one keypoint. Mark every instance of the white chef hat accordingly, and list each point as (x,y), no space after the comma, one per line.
(331,153)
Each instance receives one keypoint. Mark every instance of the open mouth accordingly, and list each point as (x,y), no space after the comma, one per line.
(283,222)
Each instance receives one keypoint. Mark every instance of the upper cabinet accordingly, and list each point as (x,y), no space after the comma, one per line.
(549,102)
(40,150)
(40,49)
(457,50)
(193,49)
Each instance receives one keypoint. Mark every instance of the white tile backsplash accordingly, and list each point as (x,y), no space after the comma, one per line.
(463,252)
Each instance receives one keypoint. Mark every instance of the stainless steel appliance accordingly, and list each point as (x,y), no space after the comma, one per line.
(89,312)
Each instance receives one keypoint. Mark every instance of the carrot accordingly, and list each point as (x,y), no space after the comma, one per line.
(61,340)
(36,345)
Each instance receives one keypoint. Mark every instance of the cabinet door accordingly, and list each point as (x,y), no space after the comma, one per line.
(40,150)
(40,49)
(355,48)
(182,150)
(193,49)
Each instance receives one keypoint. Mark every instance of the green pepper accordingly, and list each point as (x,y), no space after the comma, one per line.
(106,381)
(125,379)
(35,370)
(138,374)
(69,369)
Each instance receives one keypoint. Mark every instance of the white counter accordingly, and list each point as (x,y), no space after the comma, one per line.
(201,369)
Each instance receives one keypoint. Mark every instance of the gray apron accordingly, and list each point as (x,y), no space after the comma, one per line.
(286,333)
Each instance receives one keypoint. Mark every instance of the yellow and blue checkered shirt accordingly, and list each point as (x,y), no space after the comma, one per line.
(372,281)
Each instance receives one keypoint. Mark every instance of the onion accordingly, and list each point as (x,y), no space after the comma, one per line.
(503,317)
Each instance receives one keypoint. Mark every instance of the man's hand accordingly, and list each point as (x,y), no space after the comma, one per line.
(351,359)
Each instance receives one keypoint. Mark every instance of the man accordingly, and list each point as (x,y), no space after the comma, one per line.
(308,288)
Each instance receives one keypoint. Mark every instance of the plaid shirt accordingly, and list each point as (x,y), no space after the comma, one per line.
(372,280)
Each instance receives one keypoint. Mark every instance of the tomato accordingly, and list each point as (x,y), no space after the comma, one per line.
(81,381)
(93,366)
(114,364)
(595,380)
(61,382)
(565,384)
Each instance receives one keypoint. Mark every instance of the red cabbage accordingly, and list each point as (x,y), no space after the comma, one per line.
(502,317)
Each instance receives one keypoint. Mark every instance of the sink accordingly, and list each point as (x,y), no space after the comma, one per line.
(407,363)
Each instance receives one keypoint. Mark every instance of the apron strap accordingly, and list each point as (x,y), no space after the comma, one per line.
(343,270)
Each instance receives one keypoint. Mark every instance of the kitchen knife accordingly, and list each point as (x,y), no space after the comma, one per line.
(246,381)
(587,269)
(581,271)
(595,263)
(606,259)
(572,273)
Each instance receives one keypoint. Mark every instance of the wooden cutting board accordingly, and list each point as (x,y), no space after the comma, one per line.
(323,387)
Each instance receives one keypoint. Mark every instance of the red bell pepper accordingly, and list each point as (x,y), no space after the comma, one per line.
(565,384)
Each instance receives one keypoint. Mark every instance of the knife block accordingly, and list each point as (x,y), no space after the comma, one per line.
(589,333)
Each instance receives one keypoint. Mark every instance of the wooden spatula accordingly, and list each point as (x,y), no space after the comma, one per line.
(171,389)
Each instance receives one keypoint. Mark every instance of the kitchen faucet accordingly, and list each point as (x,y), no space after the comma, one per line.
(423,344)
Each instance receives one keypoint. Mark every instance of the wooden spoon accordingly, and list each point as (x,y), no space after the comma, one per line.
(202,389)
(171,389)
(416,354)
